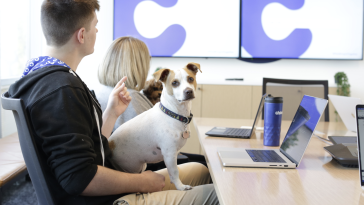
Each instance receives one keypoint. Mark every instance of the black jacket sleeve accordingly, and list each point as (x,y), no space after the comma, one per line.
(64,124)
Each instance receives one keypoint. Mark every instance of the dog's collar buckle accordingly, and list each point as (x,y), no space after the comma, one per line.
(176,116)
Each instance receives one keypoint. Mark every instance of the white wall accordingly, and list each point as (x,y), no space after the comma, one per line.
(216,70)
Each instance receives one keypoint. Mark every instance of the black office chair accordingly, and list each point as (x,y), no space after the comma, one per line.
(289,92)
(29,149)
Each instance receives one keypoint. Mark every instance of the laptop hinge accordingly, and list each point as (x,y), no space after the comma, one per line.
(288,157)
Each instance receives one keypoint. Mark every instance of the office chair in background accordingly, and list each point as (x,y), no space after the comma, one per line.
(29,149)
(292,92)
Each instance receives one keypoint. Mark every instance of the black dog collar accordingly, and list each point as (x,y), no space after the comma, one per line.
(175,115)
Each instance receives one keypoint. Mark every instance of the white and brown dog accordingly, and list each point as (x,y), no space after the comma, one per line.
(158,134)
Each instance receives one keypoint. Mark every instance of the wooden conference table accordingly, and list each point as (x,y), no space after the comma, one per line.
(318,179)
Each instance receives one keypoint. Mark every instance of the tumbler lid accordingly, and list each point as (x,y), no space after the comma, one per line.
(274,99)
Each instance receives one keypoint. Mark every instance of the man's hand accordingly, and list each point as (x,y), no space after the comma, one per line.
(111,182)
(119,100)
(152,182)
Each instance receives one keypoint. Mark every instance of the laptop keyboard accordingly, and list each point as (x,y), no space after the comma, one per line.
(265,156)
(236,132)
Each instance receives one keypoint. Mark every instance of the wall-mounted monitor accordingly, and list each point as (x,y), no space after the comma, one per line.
(304,29)
(181,28)
(294,29)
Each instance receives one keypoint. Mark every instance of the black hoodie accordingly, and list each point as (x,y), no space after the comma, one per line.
(61,112)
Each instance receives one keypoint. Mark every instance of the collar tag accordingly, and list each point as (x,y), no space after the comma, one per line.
(186,134)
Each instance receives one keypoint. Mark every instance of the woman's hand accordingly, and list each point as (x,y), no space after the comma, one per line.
(119,100)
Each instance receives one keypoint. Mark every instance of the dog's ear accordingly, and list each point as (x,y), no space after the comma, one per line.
(161,75)
(159,85)
(194,67)
(147,88)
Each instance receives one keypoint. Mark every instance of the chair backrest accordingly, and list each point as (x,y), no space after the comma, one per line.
(292,92)
(28,148)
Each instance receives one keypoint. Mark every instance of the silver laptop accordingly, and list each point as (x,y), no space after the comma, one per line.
(345,106)
(238,132)
(294,144)
(360,144)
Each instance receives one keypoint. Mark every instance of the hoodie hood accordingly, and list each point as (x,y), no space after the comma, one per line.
(18,88)
(36,69)
(40,62)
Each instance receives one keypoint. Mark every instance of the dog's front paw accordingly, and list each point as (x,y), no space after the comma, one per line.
(184,187)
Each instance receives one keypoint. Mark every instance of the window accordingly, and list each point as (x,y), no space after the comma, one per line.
(14,37)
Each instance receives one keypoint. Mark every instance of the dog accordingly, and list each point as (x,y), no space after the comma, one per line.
(153,90)
(158,133)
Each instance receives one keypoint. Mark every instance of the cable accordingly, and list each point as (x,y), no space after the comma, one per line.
(323,139)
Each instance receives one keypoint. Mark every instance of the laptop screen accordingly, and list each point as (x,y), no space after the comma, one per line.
(360,127)
(303,124)
(345,106)
(259,112)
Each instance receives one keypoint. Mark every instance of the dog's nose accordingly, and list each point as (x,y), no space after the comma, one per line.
(159,95)
(188,92)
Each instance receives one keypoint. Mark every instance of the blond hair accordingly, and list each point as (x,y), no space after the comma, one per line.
(127,56)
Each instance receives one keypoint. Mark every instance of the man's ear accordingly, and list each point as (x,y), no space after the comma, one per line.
(161,75)
(81,35)
(194,67)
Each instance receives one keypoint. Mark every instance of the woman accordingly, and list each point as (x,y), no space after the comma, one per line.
(127,56)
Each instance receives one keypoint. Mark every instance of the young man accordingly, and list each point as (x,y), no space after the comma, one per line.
(67,125)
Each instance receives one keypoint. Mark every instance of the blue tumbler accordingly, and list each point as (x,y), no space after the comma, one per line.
(272,120)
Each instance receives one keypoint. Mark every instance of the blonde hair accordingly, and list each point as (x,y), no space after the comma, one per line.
(127,56)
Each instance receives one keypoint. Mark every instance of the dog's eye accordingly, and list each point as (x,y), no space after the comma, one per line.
(175,83)
(190,79)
